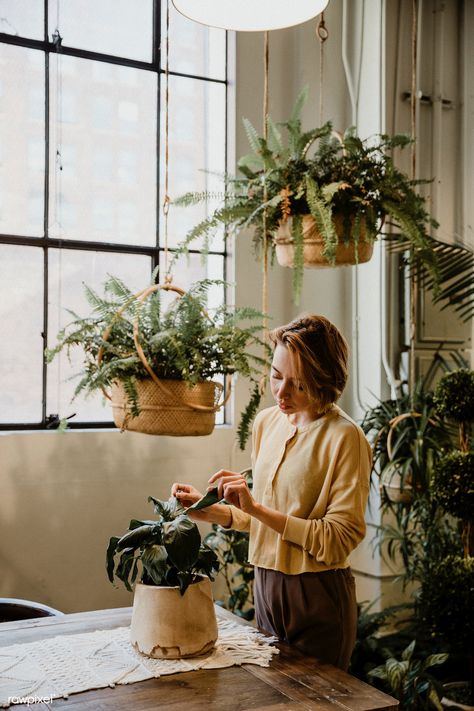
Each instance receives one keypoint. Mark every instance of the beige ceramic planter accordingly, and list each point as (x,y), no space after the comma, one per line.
(168,625)
(313,245)
(391,483)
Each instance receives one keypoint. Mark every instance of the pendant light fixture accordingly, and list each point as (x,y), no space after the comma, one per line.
(248,15)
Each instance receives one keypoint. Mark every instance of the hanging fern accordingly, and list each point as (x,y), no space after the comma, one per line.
(181,342)
(328,175)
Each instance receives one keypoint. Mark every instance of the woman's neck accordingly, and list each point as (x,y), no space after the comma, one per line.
(306,417)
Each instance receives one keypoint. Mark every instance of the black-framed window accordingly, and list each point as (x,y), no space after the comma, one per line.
(82,174)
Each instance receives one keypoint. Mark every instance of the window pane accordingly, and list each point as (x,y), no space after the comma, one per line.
(68,271)
(21,354)
(22,17)
(196,152)
(189,269)
(22,145)
(103,152)
(119,27)
(194,48)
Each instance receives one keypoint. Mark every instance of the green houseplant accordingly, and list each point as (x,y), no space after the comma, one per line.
(329,194)
(447,596)
(409,680)
(170,569)
(142,351)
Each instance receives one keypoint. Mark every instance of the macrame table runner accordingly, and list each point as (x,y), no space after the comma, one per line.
(69,664)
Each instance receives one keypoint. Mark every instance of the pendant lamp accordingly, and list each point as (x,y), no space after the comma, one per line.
(250,15)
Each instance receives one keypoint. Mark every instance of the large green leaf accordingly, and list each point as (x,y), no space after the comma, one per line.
(182,541)
(112,547)
(169,510)
(137,537)
(155,562)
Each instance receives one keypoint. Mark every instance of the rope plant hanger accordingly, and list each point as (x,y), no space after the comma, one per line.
(166,407)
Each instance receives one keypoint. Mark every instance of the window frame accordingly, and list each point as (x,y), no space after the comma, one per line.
(46,242)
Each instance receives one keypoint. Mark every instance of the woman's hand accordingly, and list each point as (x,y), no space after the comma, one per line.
(234,489)
(187,495)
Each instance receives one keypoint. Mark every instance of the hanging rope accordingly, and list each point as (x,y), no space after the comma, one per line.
(413,117)
(266,57)
(167,199)
(322,34)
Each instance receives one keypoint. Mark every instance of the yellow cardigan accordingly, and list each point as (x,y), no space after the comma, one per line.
(318,475)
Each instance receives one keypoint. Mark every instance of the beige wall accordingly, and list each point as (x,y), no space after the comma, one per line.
(63,496)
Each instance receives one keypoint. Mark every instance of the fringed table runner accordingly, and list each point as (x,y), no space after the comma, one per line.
(63,665)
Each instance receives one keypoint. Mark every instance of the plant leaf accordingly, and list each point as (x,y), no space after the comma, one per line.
(212,497)
(182,541)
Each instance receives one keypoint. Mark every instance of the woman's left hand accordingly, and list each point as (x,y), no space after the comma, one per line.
(234,489)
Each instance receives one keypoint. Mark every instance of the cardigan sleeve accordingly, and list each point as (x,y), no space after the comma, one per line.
(240,521)
(332,537)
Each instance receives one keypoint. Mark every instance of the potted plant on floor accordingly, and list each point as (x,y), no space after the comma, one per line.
(173,612)
(161,364)
(326,198)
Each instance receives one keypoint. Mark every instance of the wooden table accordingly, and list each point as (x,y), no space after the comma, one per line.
(293,681)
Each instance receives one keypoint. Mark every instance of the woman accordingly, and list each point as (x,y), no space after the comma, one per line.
(311,467)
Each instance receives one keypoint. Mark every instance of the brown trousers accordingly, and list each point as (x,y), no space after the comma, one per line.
(314,612)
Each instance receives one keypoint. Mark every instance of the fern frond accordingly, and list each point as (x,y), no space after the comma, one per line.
(252,135)
(298,256)
(323,216)
(248,415)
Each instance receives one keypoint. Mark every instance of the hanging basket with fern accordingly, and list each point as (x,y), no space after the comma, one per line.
(352,189)
(163,369)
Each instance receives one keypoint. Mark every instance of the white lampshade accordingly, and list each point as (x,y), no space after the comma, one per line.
(250,15)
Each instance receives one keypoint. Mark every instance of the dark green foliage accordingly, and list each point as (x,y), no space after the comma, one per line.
(319,173)
(447,602)
(453,484)
(181,342)
(454,395)
(231,548)
(409,681)
(166,551)
(212,497)
(374,637)
(243,430)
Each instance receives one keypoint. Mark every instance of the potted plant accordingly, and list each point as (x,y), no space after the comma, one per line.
(409,680)
(447,595)
(173,570)
(326,198)
(161,363)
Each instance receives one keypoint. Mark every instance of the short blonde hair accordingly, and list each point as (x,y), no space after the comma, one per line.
(320,353)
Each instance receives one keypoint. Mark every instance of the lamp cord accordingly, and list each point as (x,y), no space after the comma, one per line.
(167,199)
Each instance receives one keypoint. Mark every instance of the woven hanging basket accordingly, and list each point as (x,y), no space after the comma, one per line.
(167,407)
(167,413)
(313,245)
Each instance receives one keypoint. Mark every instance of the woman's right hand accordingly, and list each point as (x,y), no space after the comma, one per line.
(187,495)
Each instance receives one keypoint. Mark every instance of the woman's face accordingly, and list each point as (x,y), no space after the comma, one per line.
(287,390)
